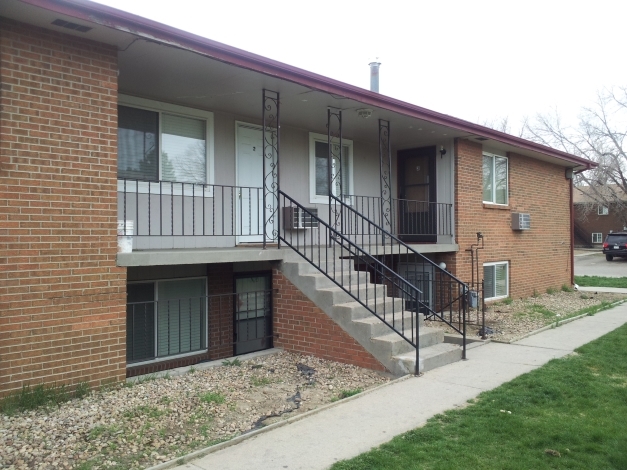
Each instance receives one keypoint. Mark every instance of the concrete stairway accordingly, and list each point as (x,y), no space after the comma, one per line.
(395,353)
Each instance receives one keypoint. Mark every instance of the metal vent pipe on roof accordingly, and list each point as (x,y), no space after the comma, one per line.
(374,76)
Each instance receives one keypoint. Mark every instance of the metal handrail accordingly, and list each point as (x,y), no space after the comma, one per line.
(386,244)
(437,215)
(365,292)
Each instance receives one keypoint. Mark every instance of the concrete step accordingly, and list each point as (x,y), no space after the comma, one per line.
(382,306)
(364,292)
(346,278)
(427,337)
(400,320)
(431,357)
(392,350)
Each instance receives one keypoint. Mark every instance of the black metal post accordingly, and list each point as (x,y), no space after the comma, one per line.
(334,139)
(385,171)
(271,138)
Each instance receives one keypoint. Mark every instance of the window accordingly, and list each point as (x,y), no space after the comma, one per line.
(494,179)
(165,318)
(318,168)
(602,210)
(597,238)
(161,142)
(496,280)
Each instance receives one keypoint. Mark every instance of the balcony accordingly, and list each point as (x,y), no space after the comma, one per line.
(179,216)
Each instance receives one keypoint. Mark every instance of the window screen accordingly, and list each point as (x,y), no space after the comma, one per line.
(495,179)
(181,317)
(495,280)
(322,177)
(184,153)
(140,322)
(138,144)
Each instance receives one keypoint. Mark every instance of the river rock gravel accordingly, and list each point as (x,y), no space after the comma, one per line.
(140,425)
(509,319)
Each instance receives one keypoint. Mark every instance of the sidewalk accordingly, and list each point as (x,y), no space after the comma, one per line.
(355,426)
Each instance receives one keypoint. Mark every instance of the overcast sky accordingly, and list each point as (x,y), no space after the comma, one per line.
(478,60)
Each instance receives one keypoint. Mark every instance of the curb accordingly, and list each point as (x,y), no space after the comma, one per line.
(553,325)
(236,440)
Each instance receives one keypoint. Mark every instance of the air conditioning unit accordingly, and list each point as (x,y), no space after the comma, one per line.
(521,221)
(294,218)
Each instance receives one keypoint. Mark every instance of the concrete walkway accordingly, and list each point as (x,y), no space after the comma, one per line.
(355,426)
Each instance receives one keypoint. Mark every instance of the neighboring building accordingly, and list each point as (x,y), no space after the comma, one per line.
(212,157)
(594,219)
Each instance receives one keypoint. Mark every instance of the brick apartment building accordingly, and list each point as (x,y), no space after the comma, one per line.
(221,175)
(595,219)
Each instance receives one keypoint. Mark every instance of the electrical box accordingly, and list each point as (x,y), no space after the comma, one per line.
(294,218)
(521,221)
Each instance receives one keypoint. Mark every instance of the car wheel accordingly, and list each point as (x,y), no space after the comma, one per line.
(609,257)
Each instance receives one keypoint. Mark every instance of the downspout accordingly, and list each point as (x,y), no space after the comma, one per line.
(572,235)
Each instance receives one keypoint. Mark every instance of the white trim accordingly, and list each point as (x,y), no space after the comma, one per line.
(183,111)
(155,301)
(602,210)
(494,156)
(599,237)
(313,138)
(497,263)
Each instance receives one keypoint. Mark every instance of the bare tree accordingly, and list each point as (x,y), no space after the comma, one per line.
(599,136)
(503,124)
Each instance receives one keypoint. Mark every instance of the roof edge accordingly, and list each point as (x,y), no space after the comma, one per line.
(134,24)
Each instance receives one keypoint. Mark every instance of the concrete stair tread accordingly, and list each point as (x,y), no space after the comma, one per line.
(398,316)
(375,335)
(430,351)
(424,330)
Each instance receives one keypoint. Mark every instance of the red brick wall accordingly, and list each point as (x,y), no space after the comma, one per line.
(62,298)
(538,258)
(302,327)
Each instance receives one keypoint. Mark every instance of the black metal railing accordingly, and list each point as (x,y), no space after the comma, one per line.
(164,208)
(159,329)
(447,295)
(170,209)
(331,251)
(406,217)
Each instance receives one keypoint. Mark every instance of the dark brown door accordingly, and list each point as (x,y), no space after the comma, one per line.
(417,221)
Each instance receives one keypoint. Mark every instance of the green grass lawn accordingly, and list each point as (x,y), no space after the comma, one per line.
(571,414)
(600,281)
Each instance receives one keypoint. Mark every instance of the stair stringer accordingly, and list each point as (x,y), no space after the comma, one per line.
(389,348)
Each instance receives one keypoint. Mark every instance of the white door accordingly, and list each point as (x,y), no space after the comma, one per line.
(249,210)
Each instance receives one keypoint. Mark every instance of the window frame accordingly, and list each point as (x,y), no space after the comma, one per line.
(313,138)
(498,263)
(602,210)
(157,358)
(494,156)
(599,237)
(167,187)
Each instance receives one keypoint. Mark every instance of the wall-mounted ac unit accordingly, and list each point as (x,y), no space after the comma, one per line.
(294,218)
(521,221)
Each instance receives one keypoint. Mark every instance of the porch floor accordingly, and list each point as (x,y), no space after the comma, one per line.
(243,254)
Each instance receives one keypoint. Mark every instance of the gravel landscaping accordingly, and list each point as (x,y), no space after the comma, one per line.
(509,319)
(154,420)
(140,425)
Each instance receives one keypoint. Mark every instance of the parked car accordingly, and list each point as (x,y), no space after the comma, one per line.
(615,244)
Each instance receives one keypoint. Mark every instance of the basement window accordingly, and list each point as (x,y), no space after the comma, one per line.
(496,280)
(165,319)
